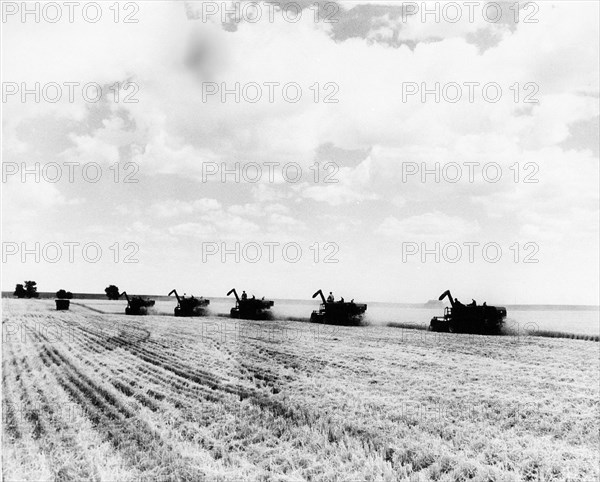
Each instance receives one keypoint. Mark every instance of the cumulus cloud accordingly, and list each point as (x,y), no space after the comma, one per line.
(175,207)
(347,185)
(435,226)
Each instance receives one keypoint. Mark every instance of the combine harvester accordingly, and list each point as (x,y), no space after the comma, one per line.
(473,319)
(136,305)
(338,312)
(250,308)
(191,306)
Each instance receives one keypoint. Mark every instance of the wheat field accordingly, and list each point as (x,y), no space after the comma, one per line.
(92,395)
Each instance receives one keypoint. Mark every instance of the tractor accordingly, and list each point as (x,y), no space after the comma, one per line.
(473,319)
(338,312)
(250,308)
(191,306)
(136,305)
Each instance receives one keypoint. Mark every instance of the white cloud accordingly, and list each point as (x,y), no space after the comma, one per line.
(198,230)
(435,226)
(174,207)
(247,210)
(352,185)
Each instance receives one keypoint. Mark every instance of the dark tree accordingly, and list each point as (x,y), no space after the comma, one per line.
(31,289)
(112,292)
(64,295)
(20,291)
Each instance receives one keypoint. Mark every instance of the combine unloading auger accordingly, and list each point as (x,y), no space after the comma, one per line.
(237,298)
(136,305)
(472,318)
(191,306)
(320,292)
(338,312)
(449,295)
(250,308)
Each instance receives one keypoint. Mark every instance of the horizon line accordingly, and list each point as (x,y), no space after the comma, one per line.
(7,294)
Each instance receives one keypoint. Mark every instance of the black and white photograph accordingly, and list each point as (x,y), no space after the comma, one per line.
(309,240)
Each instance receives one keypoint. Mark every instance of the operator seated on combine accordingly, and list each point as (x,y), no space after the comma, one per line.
(330,298)
(473,302)
(244,295)
(341,300)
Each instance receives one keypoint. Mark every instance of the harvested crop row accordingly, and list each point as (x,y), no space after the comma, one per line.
(261,401)
(52,426)
(115,420)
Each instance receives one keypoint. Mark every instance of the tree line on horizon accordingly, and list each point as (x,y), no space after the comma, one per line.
(28,289)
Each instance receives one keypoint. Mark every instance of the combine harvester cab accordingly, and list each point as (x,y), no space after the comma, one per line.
(338,312)
(191,306)
(136,305)
(472,319)
(250,308)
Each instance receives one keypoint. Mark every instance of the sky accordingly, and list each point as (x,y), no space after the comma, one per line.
(156,184)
